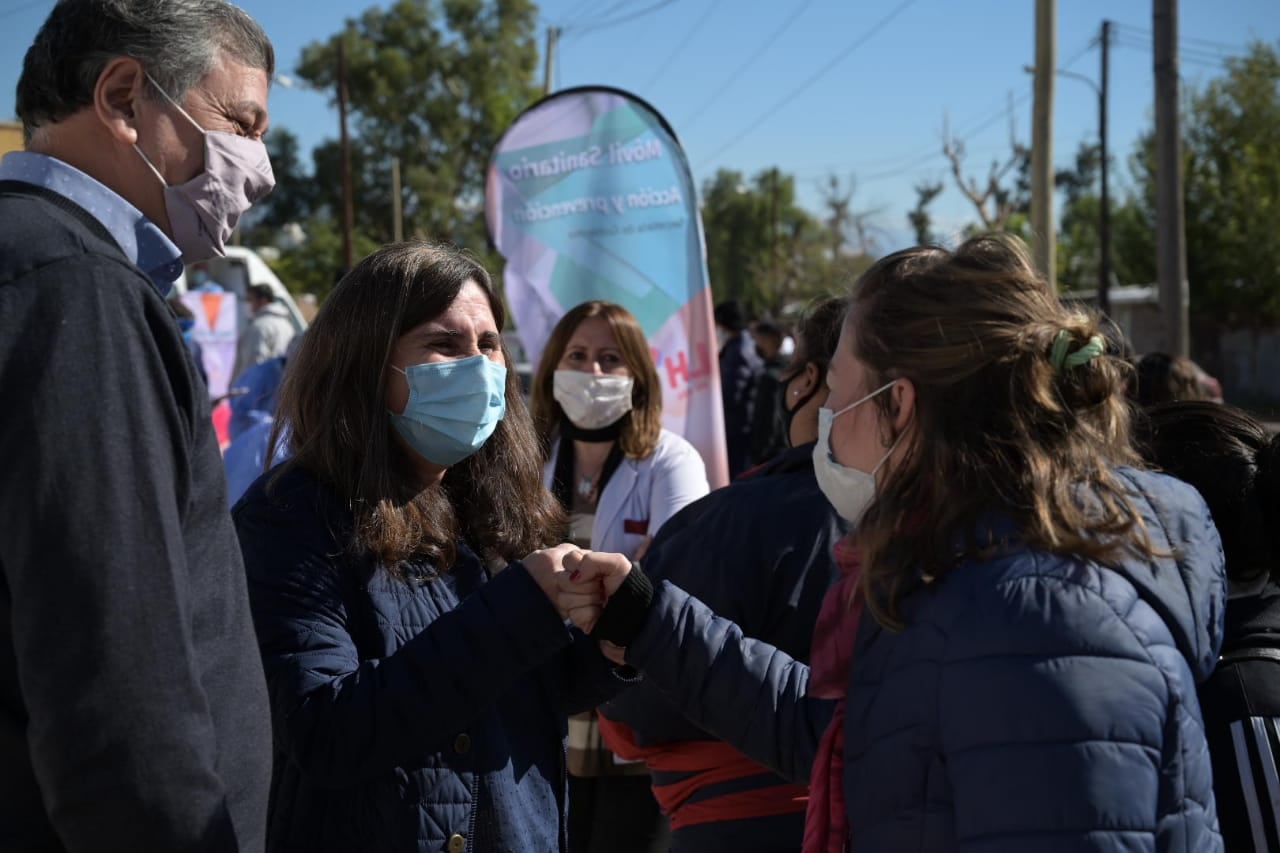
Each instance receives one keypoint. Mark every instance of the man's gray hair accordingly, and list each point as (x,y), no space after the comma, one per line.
(178,42)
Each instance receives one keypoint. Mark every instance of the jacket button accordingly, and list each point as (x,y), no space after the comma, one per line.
(461,745)
(457,843)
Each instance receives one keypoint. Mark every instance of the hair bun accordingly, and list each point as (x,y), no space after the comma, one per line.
(1086,372)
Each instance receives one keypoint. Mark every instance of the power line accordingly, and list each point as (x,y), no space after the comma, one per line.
(590,28)
(972,129)
(814,78)
(1199,60)
(1184,41)
(604,15)
(752,58)
(693,31)
(573,13)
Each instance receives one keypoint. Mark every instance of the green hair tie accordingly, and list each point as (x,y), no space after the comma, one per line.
(1087,353)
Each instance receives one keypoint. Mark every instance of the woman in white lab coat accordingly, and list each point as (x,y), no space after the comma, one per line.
(597,401)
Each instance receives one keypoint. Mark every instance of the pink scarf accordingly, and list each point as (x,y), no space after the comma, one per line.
(826,825)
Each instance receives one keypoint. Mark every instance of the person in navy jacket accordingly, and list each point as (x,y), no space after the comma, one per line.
(419,676)
(1038,610)
(1234,462)
(759,553)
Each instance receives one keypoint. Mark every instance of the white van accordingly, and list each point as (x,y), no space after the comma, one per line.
(239,269)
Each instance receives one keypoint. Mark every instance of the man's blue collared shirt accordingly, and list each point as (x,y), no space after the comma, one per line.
(139,238)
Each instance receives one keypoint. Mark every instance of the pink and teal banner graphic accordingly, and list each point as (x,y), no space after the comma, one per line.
(589,196)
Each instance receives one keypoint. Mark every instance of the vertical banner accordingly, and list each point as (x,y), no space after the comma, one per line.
(215,331)
(589,196)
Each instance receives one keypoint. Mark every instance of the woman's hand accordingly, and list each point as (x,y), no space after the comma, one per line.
(546,565)
(592,577)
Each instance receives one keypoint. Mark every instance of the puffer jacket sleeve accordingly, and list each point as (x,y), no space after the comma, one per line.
(745,692)
(1058,703)
(344,720)
(587,677)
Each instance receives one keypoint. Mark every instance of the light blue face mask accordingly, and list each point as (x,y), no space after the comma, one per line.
(453,408)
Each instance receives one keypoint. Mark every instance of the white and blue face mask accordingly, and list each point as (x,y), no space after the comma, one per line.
(453,408)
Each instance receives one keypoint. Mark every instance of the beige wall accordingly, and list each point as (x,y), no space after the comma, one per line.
(10,137)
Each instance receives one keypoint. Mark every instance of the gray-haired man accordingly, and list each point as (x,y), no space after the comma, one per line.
(133,713)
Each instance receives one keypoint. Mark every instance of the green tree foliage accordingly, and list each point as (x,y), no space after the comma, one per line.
(1231,163)
(762,247)
(294,199)
(1079,250)
(434,82)
(313,267)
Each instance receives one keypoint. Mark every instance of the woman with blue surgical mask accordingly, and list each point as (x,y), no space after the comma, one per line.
(401,570)
(597,403)
(1015,663)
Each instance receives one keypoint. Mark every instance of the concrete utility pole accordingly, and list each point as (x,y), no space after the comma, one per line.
(1171,251)
(1104,221)
(348,209)
(549,66)
(397,216)
(1042,140)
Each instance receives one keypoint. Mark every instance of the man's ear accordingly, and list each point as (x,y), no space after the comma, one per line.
(116,96)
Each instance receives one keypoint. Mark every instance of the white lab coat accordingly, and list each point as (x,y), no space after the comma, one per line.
(643,493)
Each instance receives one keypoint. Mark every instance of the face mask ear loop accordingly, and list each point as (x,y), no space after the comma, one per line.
(177,106)
(150,165)
(857,403)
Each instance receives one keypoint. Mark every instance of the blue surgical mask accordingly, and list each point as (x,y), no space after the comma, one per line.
(453,408)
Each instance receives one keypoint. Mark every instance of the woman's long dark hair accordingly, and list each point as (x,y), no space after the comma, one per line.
(1234,463)
(334,413)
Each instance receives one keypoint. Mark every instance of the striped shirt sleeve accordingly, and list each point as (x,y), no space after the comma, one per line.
(1256,747)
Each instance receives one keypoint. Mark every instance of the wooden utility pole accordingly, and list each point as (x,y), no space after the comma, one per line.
(397,216)
(1042,139)
(348,209)
(1104,221)
(1171,252)
(549,66)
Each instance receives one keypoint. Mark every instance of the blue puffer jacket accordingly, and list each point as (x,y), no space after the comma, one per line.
(420,715)
(759,553)
(1033,702)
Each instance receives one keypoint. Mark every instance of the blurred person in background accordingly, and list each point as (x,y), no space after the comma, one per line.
(253,415)
(739,372)
(597,404)
(134,715)
(1161,378)
(768,430)
(1234,463)
(268,332)
(758,553)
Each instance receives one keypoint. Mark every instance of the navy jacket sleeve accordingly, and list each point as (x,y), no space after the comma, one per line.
(344,720)
(94,447)
(745,692)
(588,678)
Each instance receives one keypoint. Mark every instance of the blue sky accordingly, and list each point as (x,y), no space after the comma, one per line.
(718,68)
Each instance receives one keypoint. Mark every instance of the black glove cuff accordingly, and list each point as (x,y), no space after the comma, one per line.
(627,609)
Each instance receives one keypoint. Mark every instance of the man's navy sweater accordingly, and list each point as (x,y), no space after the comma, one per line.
(133,712)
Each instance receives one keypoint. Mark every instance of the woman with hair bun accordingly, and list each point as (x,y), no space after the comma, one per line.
(1235,464)
(1038,610)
